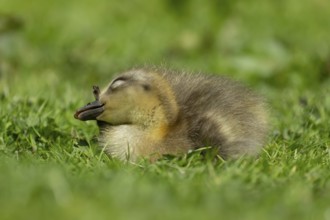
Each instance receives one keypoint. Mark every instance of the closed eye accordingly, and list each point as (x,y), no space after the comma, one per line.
(118,83)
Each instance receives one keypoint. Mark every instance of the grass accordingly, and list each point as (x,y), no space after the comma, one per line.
(51,53)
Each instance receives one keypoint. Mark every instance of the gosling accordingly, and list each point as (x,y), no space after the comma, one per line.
(149,113)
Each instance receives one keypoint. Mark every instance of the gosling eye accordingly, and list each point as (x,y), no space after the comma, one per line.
(118,83)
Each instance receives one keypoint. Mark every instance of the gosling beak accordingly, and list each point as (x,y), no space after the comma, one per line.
(90,111)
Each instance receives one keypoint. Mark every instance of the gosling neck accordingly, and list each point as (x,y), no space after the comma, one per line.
(154,122)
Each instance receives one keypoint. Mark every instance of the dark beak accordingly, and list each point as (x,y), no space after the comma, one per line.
(90,111)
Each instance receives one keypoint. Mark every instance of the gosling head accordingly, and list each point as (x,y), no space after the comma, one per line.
(136,97)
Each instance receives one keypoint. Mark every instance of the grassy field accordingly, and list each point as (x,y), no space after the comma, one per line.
(52,52)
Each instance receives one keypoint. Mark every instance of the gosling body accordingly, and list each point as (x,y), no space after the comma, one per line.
(149,113)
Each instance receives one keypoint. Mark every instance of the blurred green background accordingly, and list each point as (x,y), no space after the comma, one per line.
(279,43)
(52,52)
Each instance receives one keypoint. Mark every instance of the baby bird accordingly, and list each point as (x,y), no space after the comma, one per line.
(149,113)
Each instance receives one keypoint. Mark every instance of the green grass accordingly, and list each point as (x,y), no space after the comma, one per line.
(52,52)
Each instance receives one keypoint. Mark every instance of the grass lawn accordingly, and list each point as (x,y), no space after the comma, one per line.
(52,52)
